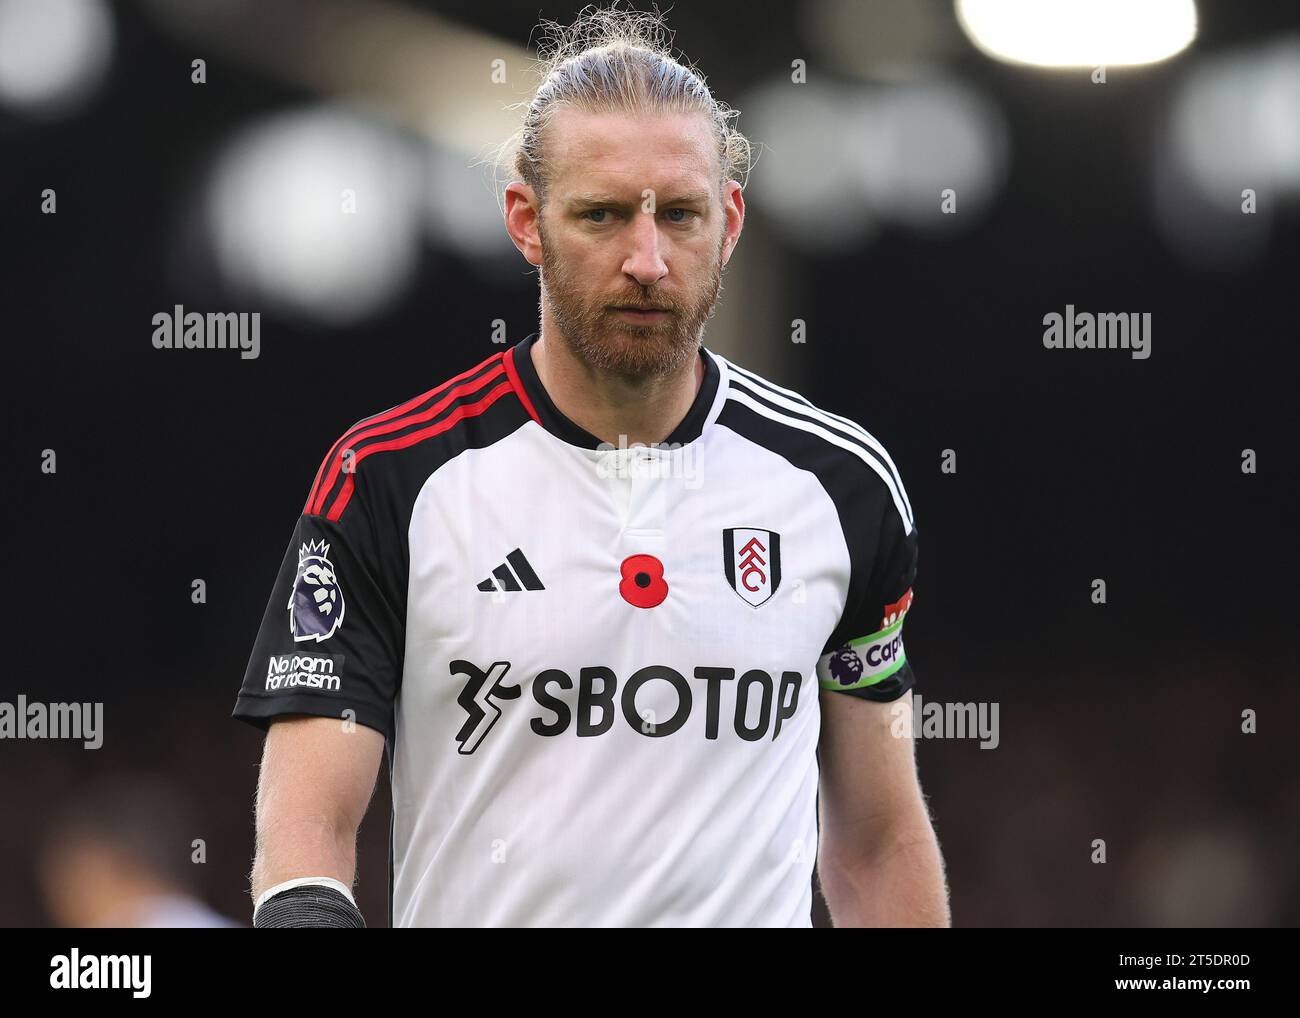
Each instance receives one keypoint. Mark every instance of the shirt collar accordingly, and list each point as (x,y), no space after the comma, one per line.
(548,415)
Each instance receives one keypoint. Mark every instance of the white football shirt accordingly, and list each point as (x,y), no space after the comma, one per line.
(596,669)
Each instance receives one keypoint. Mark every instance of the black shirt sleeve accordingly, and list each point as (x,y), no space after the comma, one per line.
(332,638)
(872,663)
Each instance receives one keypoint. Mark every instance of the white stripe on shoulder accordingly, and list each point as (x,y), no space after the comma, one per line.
(793,401)
(835,438)
(720,397)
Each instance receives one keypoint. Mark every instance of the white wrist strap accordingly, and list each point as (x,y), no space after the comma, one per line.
(338,885)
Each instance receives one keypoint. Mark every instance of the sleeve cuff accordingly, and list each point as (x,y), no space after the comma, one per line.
(885,690)
(261,711)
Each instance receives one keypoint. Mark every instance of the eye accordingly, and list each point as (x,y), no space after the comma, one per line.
(603,215)
(686,215)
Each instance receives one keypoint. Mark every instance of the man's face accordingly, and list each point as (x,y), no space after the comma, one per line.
(633,219)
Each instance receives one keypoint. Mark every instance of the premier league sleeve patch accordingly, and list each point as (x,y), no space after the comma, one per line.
(316,603)
(871,659)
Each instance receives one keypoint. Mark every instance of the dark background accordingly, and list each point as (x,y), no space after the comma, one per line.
(1118,721)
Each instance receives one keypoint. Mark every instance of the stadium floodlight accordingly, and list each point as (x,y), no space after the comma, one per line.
(838,161)
(53,54)
(316,212)
(1079,33)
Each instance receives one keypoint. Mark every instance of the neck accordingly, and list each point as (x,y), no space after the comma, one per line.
(608,406)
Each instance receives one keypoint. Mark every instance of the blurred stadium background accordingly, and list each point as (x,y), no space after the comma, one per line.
(1120,721)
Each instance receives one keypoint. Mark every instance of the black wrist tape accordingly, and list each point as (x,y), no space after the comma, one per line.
(310,906)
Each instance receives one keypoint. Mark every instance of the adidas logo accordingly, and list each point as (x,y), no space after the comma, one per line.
(511,573)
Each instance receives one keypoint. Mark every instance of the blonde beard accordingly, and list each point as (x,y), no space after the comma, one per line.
(633,352)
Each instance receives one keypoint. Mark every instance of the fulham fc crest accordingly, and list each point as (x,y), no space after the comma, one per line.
(752,560)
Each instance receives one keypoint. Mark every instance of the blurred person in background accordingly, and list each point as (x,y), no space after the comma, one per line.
(120,853)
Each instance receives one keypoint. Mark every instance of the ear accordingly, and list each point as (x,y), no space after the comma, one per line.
(733,207)
(522,212)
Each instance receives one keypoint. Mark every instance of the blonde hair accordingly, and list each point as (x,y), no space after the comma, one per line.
(615,61)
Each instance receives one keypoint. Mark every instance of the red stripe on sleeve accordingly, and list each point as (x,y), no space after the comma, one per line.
(316,494)
(404,441)
(397,424)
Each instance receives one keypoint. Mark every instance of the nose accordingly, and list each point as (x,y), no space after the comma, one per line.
(645,262)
